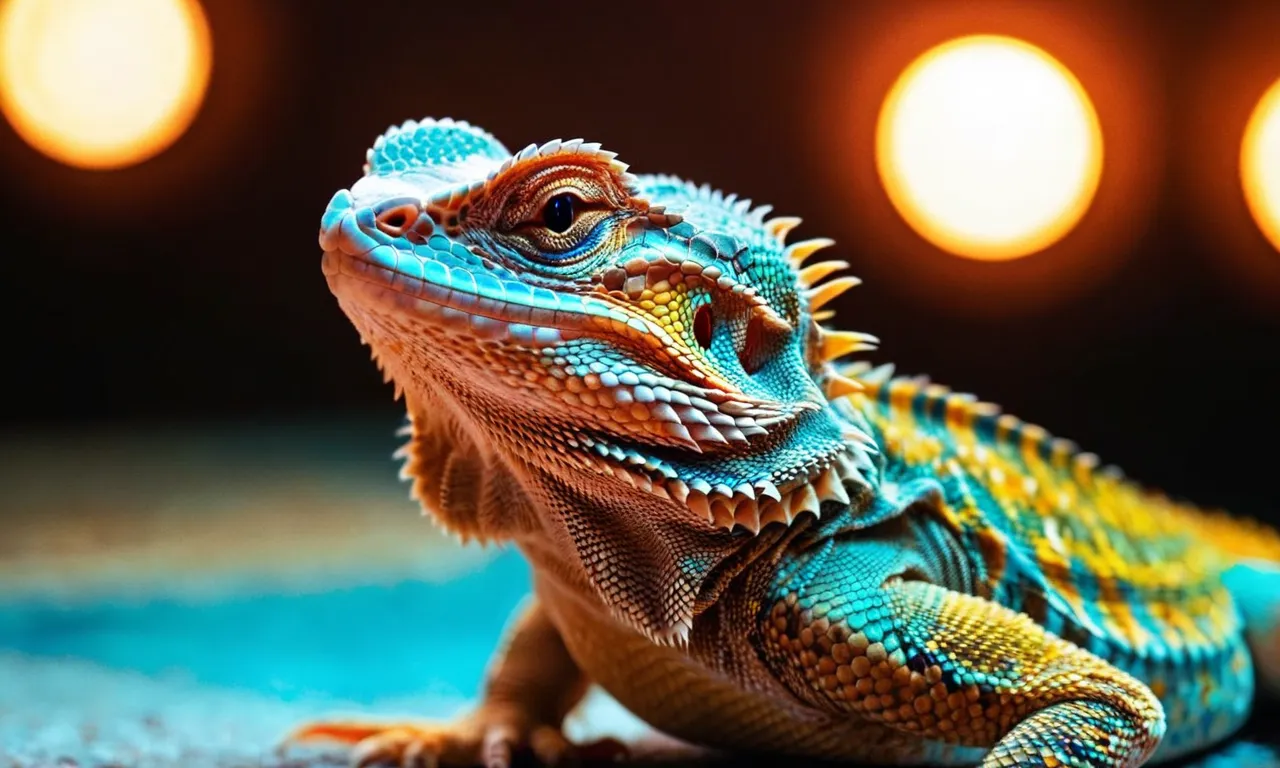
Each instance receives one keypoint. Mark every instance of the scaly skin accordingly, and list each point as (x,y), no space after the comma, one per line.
(629,378)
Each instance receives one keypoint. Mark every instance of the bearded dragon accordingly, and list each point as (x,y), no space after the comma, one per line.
(747,542)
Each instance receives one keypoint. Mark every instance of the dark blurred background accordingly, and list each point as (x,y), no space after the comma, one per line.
(187,289)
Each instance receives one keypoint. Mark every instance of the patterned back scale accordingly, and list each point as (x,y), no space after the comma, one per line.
(1096,559)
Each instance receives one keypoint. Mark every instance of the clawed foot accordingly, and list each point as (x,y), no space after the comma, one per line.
(483,739)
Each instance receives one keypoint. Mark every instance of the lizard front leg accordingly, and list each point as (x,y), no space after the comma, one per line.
(532,685)
(961,671)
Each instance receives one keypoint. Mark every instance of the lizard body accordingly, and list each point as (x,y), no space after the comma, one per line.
(746,544)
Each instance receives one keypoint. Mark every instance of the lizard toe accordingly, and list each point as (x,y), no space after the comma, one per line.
(479,740)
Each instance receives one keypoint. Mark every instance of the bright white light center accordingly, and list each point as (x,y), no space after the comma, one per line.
(989,147)
(1260,164)
(102,83)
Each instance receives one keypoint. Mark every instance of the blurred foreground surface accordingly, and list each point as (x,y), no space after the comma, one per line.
(181,598)
(172,597)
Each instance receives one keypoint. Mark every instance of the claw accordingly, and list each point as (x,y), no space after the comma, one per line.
(345,733)
(549,745)
(496,751)
(471,741)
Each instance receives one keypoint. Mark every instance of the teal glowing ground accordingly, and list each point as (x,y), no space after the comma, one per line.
(248,665)
(293,646)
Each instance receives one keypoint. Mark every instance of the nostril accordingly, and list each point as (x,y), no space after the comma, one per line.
(702,326)
(394,221)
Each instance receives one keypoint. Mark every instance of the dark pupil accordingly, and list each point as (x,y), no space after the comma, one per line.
(558,215)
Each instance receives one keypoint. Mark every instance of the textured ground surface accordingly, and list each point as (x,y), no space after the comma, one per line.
(183,598)
(170,600)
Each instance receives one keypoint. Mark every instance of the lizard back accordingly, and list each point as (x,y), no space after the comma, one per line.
(1061,538)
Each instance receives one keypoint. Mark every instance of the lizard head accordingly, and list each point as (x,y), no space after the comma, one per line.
(588,328)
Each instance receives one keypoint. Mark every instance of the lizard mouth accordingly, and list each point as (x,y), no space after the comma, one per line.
(666,410)
(471,303)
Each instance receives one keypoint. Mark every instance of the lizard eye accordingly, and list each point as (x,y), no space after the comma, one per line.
(558,214)
(561,216)
(564,228)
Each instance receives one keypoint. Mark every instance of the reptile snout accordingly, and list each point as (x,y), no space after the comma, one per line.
(331,223)
(375,211)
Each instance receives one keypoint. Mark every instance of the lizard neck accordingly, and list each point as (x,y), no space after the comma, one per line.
(579,529)
(485,471)
(675,566)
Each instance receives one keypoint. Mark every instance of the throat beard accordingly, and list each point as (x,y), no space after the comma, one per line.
(646,560)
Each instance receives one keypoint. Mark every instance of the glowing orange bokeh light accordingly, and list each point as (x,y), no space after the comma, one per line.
(1260,164)
(989,147)
(102,83)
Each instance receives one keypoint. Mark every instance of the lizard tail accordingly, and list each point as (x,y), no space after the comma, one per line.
(1254,583)
(1240,538)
